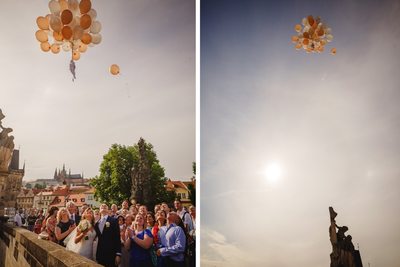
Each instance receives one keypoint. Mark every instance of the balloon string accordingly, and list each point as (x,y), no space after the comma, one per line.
(72,63)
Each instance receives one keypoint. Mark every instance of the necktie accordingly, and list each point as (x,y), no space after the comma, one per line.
(102,223)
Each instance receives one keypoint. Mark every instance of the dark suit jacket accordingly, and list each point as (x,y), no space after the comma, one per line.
(77,219)
(109,243)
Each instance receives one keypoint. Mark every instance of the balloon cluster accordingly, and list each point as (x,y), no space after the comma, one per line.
(70,26)
(312,35)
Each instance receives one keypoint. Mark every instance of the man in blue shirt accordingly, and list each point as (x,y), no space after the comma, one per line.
(173,242)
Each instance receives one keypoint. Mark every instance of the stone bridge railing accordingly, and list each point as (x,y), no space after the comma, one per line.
(20,247)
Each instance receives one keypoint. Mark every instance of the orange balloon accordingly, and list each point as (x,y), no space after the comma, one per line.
(58,36)
(306,41)
(315,25)
(63,4)
(45,46)
(86,38)
(85,6)
(66,16)
(333,51)
(321,32)
(297,28)
(41,36)
(76,55)
(86,21)
(298,46)
(295,38)
(55,48)
(82,48)
(66,32)
(306,35)
(42,23)
(78,32)
(310,20)
(114,69)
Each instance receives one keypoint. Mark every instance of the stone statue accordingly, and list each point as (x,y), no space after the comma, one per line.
(343,252)
(6,145)
(141,176)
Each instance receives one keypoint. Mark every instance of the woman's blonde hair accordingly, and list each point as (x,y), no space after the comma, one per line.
(134,222)
(59,214)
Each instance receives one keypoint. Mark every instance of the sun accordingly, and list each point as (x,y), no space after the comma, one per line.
(273,172)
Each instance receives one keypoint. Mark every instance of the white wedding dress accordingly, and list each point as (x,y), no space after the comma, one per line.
(85,246)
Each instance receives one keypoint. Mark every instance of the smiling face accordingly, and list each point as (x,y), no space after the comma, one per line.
(121,220)
(88,215)
(139,220)
(177,205)
(150,219)
(63,214)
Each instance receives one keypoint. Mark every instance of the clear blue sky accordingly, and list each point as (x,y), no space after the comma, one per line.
(58,121)
(329,123)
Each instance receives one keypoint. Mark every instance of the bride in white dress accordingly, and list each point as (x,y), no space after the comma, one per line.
(83,242)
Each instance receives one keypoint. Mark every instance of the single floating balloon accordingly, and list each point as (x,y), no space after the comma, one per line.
(333,51)
(114,69)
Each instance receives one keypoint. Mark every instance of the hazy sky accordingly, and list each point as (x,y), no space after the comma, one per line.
(58,121)
(330,123)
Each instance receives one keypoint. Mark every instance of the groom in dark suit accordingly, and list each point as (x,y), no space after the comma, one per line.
(109,242)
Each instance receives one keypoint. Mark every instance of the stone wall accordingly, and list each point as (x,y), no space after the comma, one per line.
(21,248)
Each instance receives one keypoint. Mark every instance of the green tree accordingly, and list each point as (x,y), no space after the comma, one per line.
(191,187)
(114,183)
(192,194)
(40,186)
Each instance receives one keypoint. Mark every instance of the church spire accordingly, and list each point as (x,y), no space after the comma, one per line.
(55,174)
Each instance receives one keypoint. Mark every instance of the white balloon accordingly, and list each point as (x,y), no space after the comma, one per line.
(73,5)
(328,30)
(96,38)
(54,6)
(55,23)
(76,44)
(95,27)
(66,46)
(93,14)
(329,37)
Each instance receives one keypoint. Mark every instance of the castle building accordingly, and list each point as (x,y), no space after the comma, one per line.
(62,177)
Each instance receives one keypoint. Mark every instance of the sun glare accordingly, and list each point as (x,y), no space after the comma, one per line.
(273,172)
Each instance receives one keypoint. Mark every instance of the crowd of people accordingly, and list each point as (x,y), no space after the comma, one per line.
(129,236)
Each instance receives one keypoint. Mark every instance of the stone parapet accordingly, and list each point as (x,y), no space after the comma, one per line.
(20,247)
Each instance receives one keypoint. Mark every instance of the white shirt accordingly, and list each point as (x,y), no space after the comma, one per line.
(186,218)
(102,223)
(17,219)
